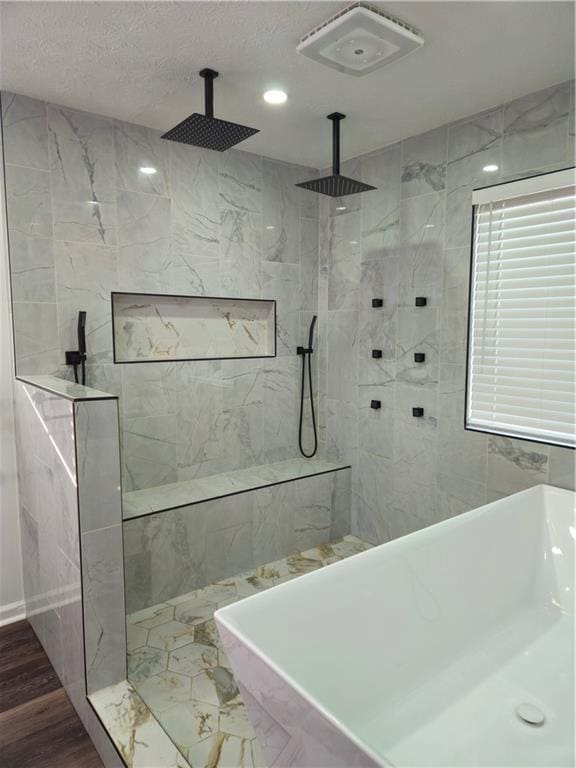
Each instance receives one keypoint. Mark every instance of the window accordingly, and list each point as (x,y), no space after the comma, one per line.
(520,378)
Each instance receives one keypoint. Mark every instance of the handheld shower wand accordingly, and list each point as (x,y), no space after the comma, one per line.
(306,353)
(77,357)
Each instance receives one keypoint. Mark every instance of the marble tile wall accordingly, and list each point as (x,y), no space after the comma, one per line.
(176,551)
(411,238)
(69,478)
(84,221)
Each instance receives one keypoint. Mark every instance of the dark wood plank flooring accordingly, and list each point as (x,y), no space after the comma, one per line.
(39,728)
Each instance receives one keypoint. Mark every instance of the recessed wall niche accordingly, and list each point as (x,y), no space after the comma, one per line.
(157,327)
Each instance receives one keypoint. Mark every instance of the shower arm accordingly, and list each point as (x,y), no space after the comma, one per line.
(209,76)
(336,117)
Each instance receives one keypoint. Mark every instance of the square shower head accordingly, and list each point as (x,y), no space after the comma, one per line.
(209,132)
(335,185)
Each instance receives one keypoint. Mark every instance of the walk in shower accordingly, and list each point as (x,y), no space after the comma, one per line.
(187,301)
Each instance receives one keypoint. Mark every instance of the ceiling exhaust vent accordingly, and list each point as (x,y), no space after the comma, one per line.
(359,40)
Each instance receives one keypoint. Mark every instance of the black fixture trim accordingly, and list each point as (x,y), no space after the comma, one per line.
(376,303)
(188,296)
(420,301)
(376,354)
(418,412)
(375,404)
(237,493)
(419,357)
(336,185)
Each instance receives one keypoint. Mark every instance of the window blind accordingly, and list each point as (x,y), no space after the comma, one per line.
(521,361)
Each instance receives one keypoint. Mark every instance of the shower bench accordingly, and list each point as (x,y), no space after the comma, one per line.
(181,536)
(174,495)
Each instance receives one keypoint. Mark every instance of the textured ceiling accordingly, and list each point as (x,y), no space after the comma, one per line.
(138,61)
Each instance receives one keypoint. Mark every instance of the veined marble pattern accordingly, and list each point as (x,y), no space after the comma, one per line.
(536,128)
(231,225)
(144,261)
(381,207)
(136,734)
(25,131)
(69,481)
(424,163)
(179,669)
(249,518)
(82,176)
(172,328)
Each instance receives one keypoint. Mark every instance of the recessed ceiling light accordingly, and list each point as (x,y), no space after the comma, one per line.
(275,97)
(490,168)
(340,207)
(353,242)
(429,226)
(148,170)
(269,226)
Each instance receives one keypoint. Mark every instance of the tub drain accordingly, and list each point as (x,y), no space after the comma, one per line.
(530,714)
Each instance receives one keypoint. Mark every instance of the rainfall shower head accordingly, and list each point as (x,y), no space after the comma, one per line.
(335,185)
(206,130)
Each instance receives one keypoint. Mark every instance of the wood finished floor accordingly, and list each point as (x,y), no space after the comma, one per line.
(39,728)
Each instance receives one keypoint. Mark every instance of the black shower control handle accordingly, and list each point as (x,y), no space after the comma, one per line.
(419,357)
(377,302)
(376,354)
(418,412)
(420,301)
(375,404)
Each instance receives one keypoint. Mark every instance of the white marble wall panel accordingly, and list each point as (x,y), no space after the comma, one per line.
(381,208)
(282,282)
(25,131)
(69,478)
(137,147)
(36,336)
(81,152)
(209,224)
(536,129)
(424,163)
(241,253)
(422,243)
(281,210)
(144,258)
(86,274)
(410,472)
(100,510)
(176,551)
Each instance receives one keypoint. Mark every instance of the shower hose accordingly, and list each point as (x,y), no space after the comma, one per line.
(307,363)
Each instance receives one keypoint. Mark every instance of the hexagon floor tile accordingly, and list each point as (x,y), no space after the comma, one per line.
(177,664)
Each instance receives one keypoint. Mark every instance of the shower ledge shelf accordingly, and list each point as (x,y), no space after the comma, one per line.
(161,498)
(155,328)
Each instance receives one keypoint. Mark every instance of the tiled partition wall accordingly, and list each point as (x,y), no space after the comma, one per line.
(68,475)
(176,551)
(84,221)
(411,238)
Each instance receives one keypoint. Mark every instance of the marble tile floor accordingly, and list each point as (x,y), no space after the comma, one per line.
(177,665)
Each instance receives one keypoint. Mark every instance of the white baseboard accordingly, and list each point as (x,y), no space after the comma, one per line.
(12,612)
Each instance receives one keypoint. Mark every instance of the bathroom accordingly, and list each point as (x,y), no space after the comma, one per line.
(259,359)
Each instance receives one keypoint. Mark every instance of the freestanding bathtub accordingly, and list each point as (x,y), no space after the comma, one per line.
(453,646)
